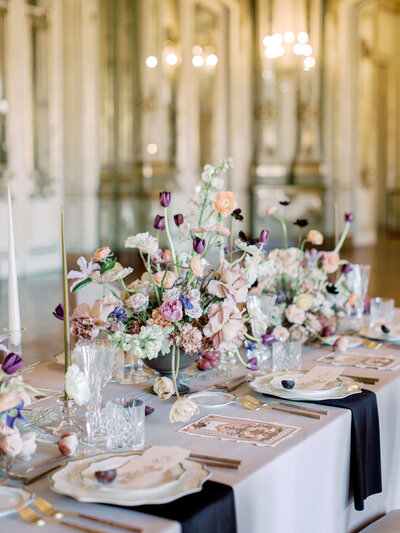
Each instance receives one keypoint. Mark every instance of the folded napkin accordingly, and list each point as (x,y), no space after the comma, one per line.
(365,458)
(211,510)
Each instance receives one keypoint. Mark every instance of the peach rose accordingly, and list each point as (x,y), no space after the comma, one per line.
(101,253)
(196,265)
(304,301)
(166,256)
(330,262)
(214,228)
(233,282)
(10,441)
(353,298)
(294,314)
(225,203)
(9,400)
(271,209)
(225,326)
(340,344)
(169,279)
(315,237)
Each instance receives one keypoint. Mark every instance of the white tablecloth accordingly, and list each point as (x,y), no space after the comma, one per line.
(298,486)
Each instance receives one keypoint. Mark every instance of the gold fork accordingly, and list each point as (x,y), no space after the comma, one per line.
(32,517)
(301,407)
(46,508)
(254,407)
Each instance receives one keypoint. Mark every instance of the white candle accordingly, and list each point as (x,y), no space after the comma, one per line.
(14,322)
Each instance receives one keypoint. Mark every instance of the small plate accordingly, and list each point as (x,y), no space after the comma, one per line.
(376,333)
(276,384)
(12,498)
(213,398)
(352,342)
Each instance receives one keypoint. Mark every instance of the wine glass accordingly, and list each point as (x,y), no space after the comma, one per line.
(260,307)
(358,282)
(95,358)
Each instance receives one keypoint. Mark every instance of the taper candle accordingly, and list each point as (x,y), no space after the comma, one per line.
(67,344)
(14,322)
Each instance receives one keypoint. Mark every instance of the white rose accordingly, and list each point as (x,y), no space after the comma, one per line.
(183,410)
(28,445)
(144,242)
(77,385)
(68,444)
(304,301)
(340,344)
(294,314)
(171,294)
(137,301)
(164,388)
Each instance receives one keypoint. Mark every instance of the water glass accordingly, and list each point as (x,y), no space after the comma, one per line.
(358,280)
(382,311)
(118,368)
(286,355)
(260,307)
(125,424)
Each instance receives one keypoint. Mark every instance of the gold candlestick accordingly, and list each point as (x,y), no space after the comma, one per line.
(67,343)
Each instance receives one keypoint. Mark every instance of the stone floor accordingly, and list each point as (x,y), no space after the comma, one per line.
(39,295)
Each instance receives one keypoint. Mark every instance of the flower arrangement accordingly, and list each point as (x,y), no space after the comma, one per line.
(311,286)
(14,397)
(180,300)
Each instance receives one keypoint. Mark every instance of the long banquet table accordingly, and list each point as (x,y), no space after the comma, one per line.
(299,486)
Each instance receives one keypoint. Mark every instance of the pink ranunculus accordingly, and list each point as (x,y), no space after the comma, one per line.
(10,441)
(330,262)
(294,314)
(233,283)
(225,326)
(172,310)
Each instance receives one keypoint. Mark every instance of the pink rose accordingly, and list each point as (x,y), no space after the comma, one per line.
(68,444)
(330,262)
(10,441)
(233,282)
(196,265)
(171,310)
(294,314)
(225,326)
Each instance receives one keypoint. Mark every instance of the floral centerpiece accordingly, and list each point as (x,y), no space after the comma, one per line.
(14,397)
(311,285)
(180,304)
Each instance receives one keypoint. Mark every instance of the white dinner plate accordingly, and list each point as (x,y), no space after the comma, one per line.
(352,342)
(70,482)
(376,334)
(12,498)
(213,398)
(263,385)
(304,388)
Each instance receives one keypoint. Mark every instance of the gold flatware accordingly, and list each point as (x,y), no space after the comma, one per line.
(218,459)
(46,508)
(214,463)
(371,344)
(296,406)
(228,385)
(32,479)
(250,405)
(363,379)
(32,517)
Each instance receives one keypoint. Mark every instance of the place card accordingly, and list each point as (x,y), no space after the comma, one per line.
(242,430)
(318,376)
(384,362)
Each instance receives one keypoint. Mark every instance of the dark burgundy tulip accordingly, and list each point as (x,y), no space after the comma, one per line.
(12,363)
(346,268)
(165,198)
(178,219)
(59,312)
(267,339)
(199,245)
(264,236)
(349,217)
(159,222)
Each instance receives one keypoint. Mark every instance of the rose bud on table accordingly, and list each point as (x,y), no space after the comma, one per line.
(68,444)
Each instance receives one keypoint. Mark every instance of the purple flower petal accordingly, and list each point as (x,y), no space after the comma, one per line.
(267,339)
(12,363)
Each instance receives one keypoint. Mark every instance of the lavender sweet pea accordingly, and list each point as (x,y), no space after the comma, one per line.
(59,312)
(178,219)
(12,363)
(199,245)
(159,222)
(165,198)
(267,339)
